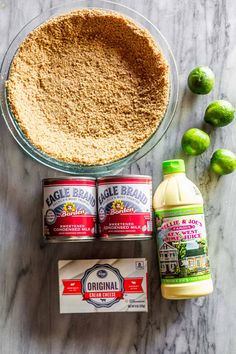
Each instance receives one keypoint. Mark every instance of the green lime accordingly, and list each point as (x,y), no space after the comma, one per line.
(219,113)
(223,162)
(195,141)
(201,80)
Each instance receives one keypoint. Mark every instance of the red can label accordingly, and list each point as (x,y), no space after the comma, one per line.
(124,206)
(69,208)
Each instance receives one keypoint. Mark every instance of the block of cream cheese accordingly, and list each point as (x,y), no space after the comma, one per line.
(103,285)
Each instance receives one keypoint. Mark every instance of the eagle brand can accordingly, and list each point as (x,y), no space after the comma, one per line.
(69,209)
(124,207)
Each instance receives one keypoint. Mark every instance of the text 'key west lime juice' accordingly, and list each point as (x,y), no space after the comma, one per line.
(181,235)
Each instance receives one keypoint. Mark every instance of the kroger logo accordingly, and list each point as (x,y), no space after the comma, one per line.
(102,292)
(102,273)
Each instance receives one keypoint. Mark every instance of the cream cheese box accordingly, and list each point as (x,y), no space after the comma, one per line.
(103,285)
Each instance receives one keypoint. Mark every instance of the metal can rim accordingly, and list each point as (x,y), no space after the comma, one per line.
(124,176)
(125,237)
(69,179)
(65,239)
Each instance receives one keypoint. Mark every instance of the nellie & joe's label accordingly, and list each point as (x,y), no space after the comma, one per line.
(182,245)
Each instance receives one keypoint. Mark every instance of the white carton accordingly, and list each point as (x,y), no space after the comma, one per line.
(103,285)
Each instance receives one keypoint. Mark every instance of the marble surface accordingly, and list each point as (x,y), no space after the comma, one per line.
(199,32)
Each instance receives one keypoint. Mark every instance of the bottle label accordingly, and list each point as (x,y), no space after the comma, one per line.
(182,245)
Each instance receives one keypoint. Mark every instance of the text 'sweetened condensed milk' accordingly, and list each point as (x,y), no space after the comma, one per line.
(103,285)
(125,207)
(69,209)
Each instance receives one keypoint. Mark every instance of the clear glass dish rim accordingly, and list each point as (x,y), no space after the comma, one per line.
(73,168)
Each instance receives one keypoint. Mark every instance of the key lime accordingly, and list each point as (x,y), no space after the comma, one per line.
(195,141)
(201,80)
(223,162)
(219,113)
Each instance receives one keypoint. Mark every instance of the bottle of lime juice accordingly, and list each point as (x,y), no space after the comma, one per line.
(181,238)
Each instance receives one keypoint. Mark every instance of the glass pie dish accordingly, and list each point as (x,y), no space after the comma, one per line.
(75,168)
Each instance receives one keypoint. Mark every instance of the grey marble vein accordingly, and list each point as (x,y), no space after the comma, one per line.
(199,32)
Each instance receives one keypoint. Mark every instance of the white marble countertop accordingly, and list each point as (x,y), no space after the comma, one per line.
(199,32)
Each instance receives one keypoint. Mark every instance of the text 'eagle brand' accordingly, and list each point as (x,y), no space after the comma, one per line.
(71,193)
(124,191)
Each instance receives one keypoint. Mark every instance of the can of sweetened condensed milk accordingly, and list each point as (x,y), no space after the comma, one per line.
(125,207)
(69,209)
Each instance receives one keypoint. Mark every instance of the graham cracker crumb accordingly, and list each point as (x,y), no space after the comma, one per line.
(88,87)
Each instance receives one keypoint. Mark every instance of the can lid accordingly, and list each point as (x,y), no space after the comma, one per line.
(123,176)
(173,166)
(78,178)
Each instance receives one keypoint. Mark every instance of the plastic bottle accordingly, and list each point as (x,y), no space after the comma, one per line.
(181,235)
